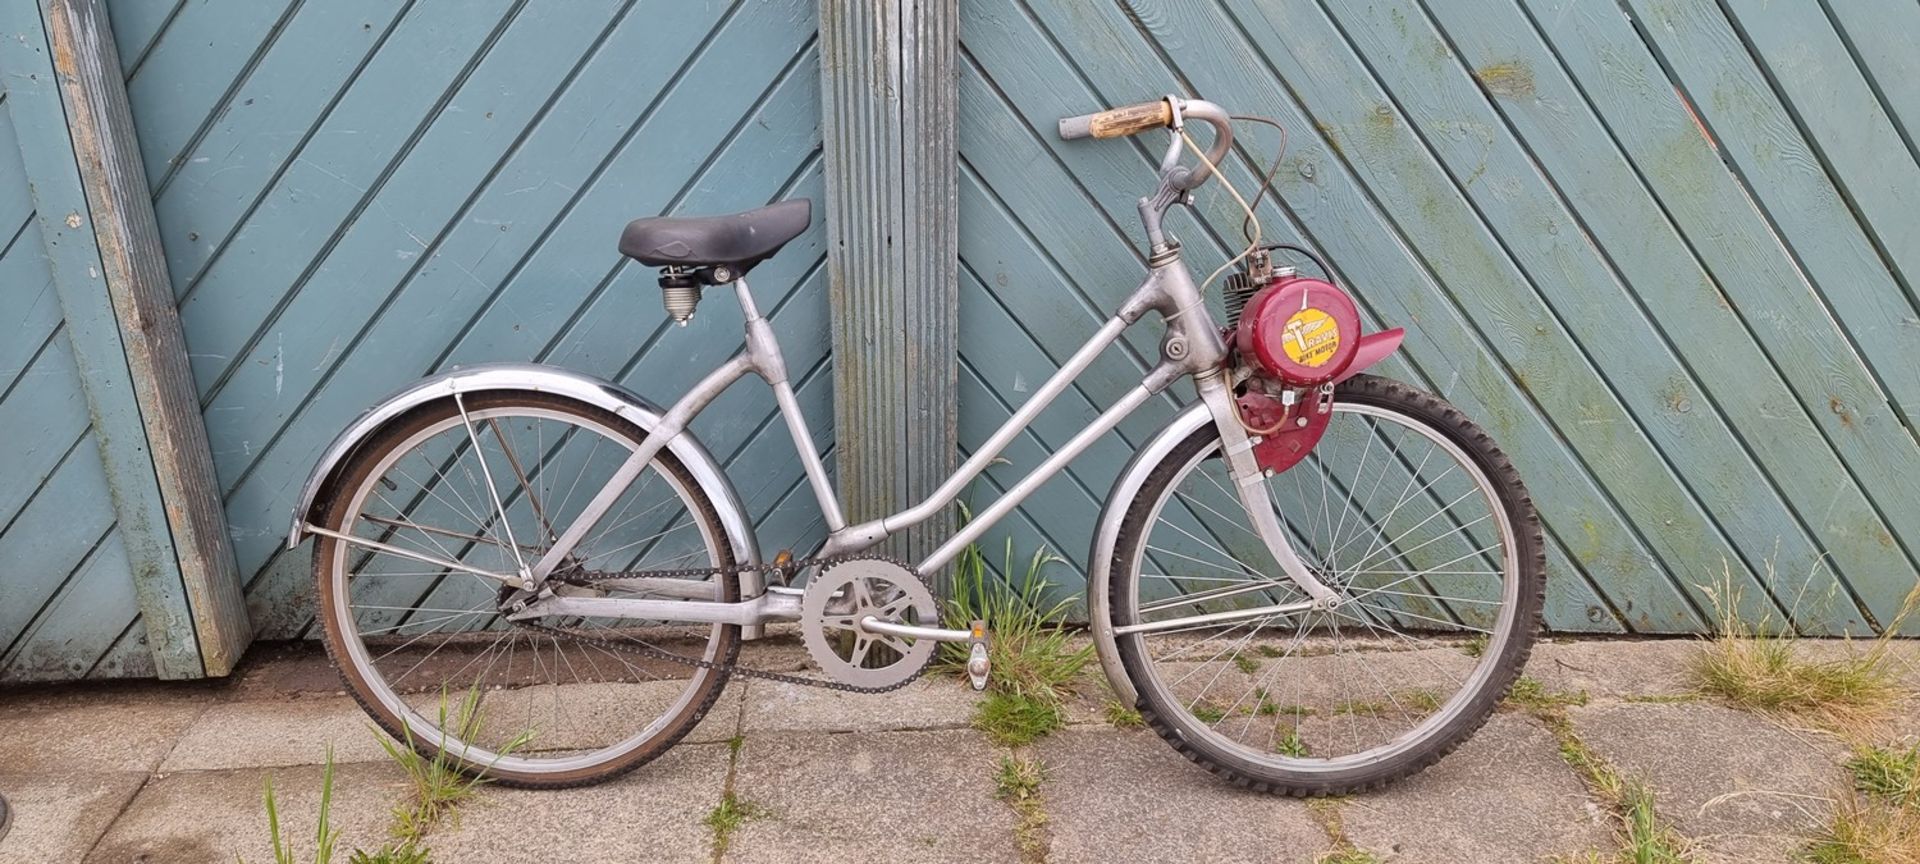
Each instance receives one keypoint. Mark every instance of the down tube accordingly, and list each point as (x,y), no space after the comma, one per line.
(1108,419)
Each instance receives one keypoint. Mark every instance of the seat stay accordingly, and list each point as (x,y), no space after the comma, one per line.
(761,357)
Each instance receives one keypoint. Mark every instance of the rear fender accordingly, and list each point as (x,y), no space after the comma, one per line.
(495,377)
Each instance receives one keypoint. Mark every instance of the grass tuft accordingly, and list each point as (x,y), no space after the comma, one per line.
(1867,833)
(1122,717)
(1014,719)
(1018,779)
(1529,693)
(1759,667)
(1889,774)
(1035,664)
(326,838)
(727,816)
(404,853)
(437,785)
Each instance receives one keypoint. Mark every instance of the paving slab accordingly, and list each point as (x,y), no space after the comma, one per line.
(934,702)
(270,733)
(1745,789)
(197,817)
(880,796)
(1505,795)
(57,817)
(653,814)
(94,730)
(297,731)
(1124,795)
(1615,668)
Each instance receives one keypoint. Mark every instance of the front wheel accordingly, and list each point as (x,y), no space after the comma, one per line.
(1416,520)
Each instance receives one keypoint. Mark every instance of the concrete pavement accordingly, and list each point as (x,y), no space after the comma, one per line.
(172,774)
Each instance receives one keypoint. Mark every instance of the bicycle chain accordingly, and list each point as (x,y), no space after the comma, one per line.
(591,576)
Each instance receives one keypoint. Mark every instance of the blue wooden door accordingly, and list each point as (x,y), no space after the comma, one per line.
(355,194)
(68,608)
(1662,256)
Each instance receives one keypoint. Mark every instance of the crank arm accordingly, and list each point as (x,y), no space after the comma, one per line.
(977,663)
(872,624)
(1249,482)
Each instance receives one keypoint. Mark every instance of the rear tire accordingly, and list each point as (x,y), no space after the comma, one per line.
(379,612)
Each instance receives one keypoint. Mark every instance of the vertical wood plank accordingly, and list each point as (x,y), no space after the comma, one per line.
(887,108)
(103,247)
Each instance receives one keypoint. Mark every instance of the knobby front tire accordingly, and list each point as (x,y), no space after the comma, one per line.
(1416,519)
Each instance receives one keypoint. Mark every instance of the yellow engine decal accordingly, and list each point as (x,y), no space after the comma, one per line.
(1311,337)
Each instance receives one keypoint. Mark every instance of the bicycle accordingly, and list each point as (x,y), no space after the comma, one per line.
(565,559)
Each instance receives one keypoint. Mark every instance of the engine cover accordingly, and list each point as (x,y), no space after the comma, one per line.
(1287,433)
(1301,331)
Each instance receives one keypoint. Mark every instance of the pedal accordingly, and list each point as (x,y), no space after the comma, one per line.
(782,568)
(977,663)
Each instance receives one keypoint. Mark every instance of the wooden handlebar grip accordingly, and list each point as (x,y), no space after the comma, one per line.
(1131,120)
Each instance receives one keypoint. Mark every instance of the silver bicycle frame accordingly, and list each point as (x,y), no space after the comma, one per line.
(1190,346)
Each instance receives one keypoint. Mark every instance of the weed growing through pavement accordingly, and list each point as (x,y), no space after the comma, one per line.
(1644,837)
(1866,832)
(726,817)
(326,838)
(1017,782)
(1527,692)
(1034,661)
(1122,717)
(1891,774)
(438,784)
(1880,824)
(1759,666)
(1344,851)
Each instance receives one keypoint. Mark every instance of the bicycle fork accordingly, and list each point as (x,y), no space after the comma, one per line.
(1249,482)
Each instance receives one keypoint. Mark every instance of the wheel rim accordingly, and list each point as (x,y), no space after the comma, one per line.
(501,673)
(1329,691)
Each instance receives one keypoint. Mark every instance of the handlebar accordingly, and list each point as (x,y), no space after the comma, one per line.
(1169,112)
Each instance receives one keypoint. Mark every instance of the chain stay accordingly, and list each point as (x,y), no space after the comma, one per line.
(591,576)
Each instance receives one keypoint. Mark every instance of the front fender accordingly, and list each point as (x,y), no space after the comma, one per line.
(1106,535)
(543,379)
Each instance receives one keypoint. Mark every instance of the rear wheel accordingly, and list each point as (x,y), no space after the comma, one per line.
(1420,525)
(426,648)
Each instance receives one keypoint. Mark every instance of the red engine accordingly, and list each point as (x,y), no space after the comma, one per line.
(1301,336)
(1301,331)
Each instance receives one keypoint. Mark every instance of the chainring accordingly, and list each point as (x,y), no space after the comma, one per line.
(839,597)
